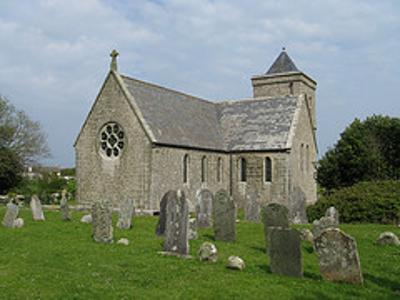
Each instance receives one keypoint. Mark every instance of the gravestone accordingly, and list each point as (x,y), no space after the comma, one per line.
(19,223)
(333,213)
(11,215)
(224,215)
(338,256)
(126,213)
(64,208)
(388,238)
(102,222)
(204,208)
(36,207)
(285,251)
(320,225)
(162,218)
(177,223)
(275,215)
(253,207)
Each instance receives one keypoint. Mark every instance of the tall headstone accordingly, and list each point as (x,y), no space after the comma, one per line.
(253,207)
(338,256)
(11,215)
(224,215)
(102,222)
(177,223)
(36,207)
(285,251)
(204,208)
(333,213)
(162,218)
(64,208)
(275,215)
(126,213)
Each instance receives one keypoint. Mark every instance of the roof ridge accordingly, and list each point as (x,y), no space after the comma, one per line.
(256,99)
(167,89)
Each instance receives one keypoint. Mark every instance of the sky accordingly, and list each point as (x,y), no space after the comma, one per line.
(54,55)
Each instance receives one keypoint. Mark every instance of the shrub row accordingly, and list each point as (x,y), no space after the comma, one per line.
(364,202)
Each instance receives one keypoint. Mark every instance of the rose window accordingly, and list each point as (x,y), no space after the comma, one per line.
(112,140)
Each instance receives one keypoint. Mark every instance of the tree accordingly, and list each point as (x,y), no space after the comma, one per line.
(21,142)
(18,133)
(368,150)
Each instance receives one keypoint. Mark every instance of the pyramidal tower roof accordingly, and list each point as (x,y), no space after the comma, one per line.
(283,64)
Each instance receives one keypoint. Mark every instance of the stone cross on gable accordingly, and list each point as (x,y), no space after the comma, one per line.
(113,65)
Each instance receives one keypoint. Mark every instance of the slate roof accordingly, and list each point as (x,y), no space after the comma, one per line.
(179,119)
(283,64)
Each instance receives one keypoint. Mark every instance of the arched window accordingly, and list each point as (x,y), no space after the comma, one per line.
(301,161)
(243,170)
(203,169)
(219,169)
(185,168)
(268,169)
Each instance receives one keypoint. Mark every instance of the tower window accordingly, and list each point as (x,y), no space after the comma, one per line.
(185,168)
(291,88)
(268,169)
(203,169)
(243,170)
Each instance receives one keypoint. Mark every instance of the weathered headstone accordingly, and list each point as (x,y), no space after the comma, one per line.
(204,208)
(19,223)
(64,208)
(11,215)
(87,219)
(36,207)
(162,218)
(253,207)
(224,215)
(388,238)
(102,222)
(177,223)
(320,225)
(306,235)
(333,213)
(275,215)
(208,252)
(235,263)
(126,213)
(285,251)
(193,229)
(338,256)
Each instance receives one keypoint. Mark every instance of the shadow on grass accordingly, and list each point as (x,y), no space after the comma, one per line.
(384,282)
(209,236)
(308,248)
(265,268)
(260,249)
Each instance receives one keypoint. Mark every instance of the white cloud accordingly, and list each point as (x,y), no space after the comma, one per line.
(54,53)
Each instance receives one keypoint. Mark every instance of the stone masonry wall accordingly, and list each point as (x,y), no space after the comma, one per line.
(101,178)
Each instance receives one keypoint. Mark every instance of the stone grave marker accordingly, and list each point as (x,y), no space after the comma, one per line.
(177,224)
(126,213)
(102,222)
(162,218)
(224,215)
(338,256)
(275,215)
(64,208)
(11,215)
(204,208)
(36,207)
(253,207)
(333,213)
(285,251)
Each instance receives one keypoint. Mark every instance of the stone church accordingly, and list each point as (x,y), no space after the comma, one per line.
(140,140)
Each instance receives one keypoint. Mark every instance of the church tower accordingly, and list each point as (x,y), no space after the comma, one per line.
(282,79)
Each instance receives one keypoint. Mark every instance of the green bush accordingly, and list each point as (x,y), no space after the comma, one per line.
(364,202)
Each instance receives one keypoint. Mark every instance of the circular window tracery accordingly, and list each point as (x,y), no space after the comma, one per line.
(112,140)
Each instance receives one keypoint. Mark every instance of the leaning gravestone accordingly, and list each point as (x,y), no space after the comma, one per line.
(160,229)
(253,207)
(204,208)
(285,251)
(177,224)
(126,212)
(65,216)
(11,215)
(338,256)
(224,215)
(102,222)
(36,207)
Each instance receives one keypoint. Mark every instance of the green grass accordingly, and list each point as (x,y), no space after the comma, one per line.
(58,260)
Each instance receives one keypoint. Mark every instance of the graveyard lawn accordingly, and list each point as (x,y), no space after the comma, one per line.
(58,260)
